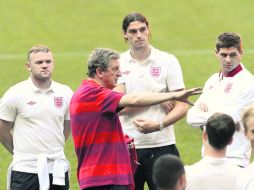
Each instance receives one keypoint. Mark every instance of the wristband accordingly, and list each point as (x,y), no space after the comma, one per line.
(161,126)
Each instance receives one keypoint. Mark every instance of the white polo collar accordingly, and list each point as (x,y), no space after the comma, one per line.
(36,89)
(151,58)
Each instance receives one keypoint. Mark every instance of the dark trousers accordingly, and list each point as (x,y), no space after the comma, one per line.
(30,181)
(146,158)
(109,187)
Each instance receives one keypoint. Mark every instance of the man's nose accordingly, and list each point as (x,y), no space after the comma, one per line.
(119,73)
(44,64)
(228,58)
(138,33)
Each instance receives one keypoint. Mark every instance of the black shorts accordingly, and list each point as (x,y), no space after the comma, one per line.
(30,181)
(146,158)
(109,187)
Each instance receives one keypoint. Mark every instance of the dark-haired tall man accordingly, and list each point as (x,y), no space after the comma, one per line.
(147,69)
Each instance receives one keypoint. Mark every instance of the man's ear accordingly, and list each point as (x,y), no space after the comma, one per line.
(124,35)
(216,52)
(205,136)
(181,182)
(241,51)
(99,72)
(230,141)
(28,66)
(245,132)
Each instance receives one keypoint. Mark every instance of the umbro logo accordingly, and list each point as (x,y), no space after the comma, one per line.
(31,103)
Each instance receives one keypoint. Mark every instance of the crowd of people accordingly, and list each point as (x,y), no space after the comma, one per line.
(122,120)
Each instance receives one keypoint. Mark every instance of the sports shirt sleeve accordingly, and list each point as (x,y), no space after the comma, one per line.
(246,97)
(196,117)
(109,101)
(175,76)
(8,108)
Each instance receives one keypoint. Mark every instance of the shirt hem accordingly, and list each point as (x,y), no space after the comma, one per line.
(154,146)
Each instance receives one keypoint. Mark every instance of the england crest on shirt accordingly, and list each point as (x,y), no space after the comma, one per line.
(155,71)
(58,102)
(228,87)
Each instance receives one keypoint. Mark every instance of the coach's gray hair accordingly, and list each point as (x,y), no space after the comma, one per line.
(100,58)
(36,49)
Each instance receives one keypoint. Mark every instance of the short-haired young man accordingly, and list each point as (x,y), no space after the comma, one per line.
(169,173)
(148,69)
(228,91)
(214,171)
(34,125)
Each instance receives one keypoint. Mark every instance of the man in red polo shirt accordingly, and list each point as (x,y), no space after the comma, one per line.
(103,157)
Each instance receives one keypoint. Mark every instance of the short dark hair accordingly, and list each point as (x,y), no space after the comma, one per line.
(131,17)
(167,169)
(228,40)
(36,49)
(220,129)
(100,58)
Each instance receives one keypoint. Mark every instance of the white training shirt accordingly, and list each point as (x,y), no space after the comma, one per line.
(227,95)
(212,174)
(38,121)
(161,72)
(246,179)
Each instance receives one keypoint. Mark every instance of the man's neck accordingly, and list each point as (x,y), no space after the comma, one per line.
(97,80)
(214,153)
(42,84)
(141,54)
(233,72)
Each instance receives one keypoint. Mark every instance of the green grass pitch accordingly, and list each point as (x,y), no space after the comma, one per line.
(73,28)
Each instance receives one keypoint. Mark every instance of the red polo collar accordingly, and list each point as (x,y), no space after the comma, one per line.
(233,72)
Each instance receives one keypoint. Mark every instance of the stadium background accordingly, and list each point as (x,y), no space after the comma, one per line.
(73,28)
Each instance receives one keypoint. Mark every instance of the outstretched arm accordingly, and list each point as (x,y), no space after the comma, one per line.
(5,135)
(127,110)
(149,99)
